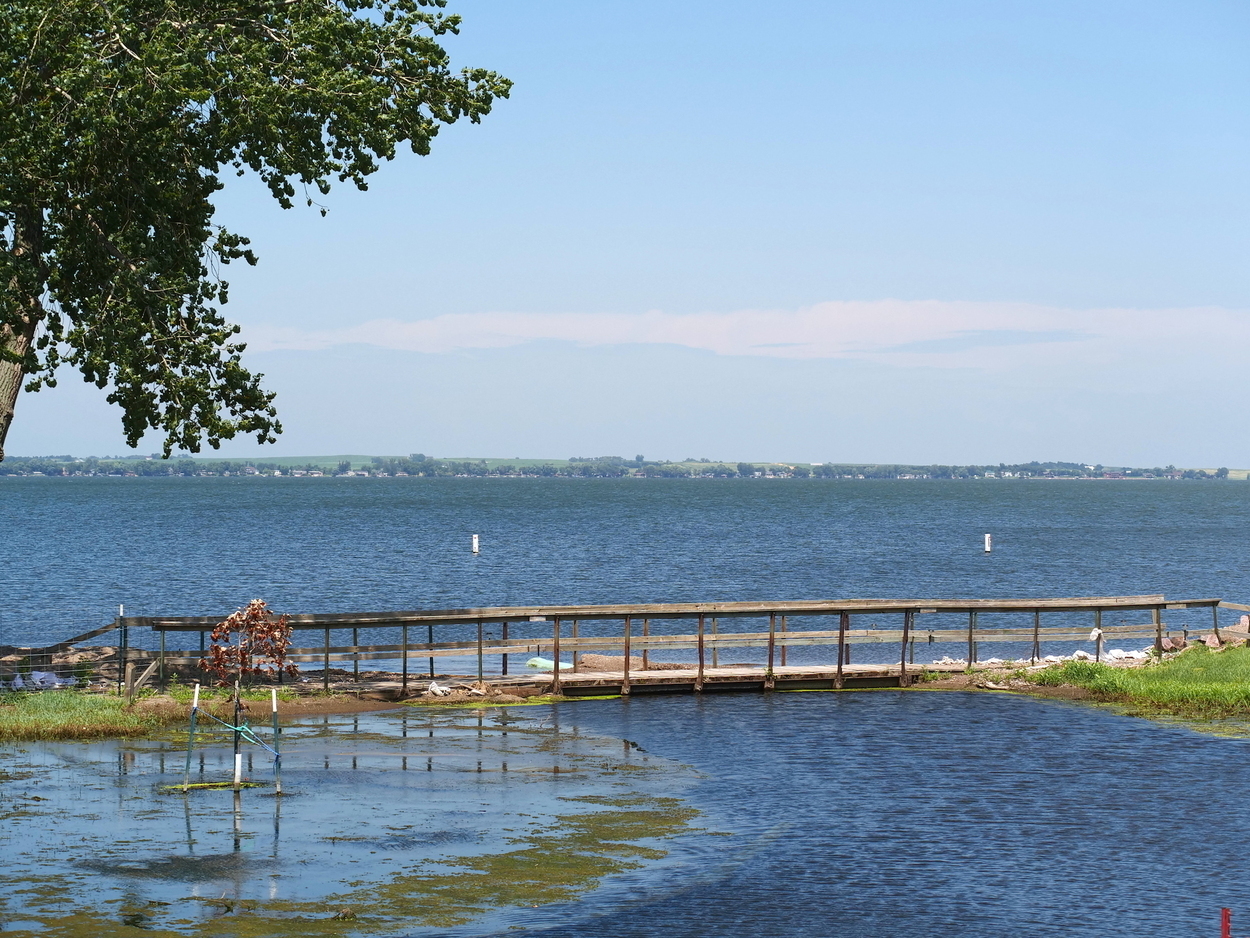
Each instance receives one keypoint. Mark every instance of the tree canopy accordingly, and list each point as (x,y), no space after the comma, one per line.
(118,119)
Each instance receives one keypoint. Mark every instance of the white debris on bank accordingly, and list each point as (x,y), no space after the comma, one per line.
(1113,654)
(38,680)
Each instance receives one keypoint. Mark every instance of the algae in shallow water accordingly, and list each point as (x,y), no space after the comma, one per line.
(556,864)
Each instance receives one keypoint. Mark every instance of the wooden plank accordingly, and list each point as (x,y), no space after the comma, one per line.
(751,639)
(61,646)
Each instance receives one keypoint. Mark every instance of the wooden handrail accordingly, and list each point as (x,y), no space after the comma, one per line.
(791,608)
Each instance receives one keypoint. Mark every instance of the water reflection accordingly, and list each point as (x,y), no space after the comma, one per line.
(857,815)
(370,801)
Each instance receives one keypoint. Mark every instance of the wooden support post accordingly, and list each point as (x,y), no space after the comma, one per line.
(646,630)
(356,655)
(577,655)
(504,669)
(161,676)
(772,646)
(1157,618)
(972,645)
(843,619)
(1037,635)
(430,641)
(556,687)
(625,675)
(325,665)
(783,642)
(479,651)
(403,684)
(1215,622)
(715,645)
(698,681)
(908,618)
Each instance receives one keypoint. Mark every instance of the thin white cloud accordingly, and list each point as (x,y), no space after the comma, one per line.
(908,333)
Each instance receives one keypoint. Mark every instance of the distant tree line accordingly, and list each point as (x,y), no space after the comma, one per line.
(581,467)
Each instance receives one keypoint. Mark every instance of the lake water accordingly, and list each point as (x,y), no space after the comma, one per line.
(855,814)
(76,548)
(859,814)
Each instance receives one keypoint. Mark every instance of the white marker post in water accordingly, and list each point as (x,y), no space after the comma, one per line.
(989,543)
(475,544)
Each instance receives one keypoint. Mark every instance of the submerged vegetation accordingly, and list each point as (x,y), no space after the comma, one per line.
(1199,683)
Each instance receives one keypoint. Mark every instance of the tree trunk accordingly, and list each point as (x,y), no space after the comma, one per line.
(16,341)
(16,338)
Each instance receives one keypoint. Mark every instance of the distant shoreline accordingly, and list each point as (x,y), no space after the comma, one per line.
(600,467)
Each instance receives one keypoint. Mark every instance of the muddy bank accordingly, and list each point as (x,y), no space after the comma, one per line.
(1004,681)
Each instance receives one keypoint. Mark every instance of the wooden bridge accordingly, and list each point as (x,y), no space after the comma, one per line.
(648,628)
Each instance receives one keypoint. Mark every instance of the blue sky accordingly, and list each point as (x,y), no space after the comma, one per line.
(825,231)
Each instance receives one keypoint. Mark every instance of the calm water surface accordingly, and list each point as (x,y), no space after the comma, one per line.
(820,814)
(856,814)
(76,548)
(944,814)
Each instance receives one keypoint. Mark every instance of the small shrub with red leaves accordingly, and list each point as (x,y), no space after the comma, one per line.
(252,642)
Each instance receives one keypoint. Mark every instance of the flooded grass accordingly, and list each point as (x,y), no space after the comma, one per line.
(1198,684)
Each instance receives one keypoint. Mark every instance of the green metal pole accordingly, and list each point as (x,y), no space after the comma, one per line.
(123,649)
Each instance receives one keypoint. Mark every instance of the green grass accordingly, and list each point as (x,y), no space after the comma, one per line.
(185,693)
(70,714)
(1199,683)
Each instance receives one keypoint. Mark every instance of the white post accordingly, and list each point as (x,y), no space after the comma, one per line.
(195,697)
(238,770)
(475,544)
(989,543)
(277,759)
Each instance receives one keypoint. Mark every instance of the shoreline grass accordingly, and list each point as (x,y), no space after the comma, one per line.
(75,714)
(1199,683)
(71,714)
